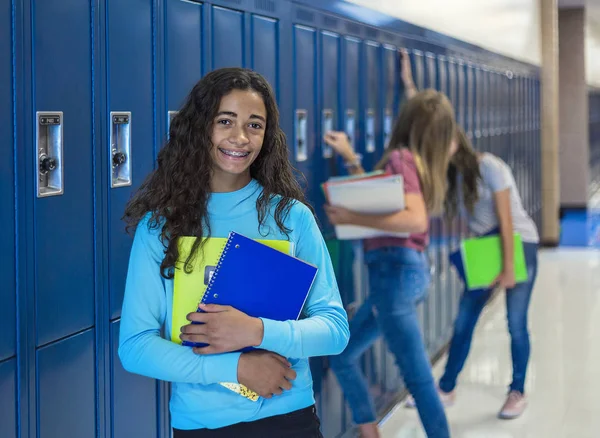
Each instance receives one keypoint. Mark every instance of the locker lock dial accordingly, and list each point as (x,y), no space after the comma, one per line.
(118,159)
(47,164)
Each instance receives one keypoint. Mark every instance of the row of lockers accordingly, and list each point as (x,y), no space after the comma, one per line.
(86,106)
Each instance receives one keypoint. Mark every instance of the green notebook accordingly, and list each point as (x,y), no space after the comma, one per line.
(482,259)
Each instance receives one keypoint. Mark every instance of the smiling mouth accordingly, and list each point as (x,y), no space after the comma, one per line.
(234,154)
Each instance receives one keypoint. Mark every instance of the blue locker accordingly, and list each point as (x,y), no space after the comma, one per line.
(227,38)
(64,223)
(183,53)
(265,49)
(305,58)
(418,69)
(133,398)
(470,101)
(391,90)
(66,387)
(351,92)
(462,94)
(8,396)
(7,193)
(130,127)
(373,143)
(329,117)
(431,80)
(130,64)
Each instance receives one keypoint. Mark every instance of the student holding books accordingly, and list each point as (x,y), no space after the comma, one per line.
(420,146)
(225,168)
(485,187)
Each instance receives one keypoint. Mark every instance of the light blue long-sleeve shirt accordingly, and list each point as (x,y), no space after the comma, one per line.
(197,400)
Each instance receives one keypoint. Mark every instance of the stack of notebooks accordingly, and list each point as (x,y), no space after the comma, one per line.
(370,193)
(260,278)
(478,261)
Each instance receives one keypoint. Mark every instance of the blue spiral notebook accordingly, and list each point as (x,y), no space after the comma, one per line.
(260,281)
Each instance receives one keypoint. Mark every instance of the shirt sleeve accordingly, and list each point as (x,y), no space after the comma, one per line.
(495,175)
(403,163)
(324,330)
(142,350)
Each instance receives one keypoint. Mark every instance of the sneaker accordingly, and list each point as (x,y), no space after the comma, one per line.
(447,398)
(514,406)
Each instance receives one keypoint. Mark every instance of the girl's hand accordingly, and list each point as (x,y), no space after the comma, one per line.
(339,215)
(224,328)
(406,70)
(506,279)
(339,142)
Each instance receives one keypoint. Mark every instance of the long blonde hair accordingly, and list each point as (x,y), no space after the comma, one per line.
(426,127)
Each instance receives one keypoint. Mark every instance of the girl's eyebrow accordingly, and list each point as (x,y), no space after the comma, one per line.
(232,114)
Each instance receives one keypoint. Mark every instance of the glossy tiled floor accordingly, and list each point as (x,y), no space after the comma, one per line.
(563,380)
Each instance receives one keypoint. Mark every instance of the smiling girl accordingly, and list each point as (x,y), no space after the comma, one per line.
(225,167)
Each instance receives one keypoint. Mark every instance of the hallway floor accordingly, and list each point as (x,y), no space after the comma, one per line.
(562,382)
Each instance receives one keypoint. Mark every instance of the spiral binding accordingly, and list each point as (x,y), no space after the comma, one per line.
(216,272)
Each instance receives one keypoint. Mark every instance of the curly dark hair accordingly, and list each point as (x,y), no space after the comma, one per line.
(465,163)
(176,194)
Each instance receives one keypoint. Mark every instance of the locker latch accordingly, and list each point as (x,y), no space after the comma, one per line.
(120,149)
(370,131)
(351,127)
(301,142)
(327,126)
(49,147)
(387,126)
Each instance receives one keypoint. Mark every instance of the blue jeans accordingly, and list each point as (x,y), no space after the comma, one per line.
(398,279)
(517,305)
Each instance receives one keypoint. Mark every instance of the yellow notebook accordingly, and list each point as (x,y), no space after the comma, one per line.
(188,289)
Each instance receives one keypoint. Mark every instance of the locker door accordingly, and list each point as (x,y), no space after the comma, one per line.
(130,124)
(462,94)
(304,100)
(134,404)
(446,283)
(352,87)
(7,194)
(372,79)
(64,200)
(130,120)
(433,250)
(391,91)
(183,54)
(350,105)
(265,47)
(330,115)
(418,69)
(470,101)
(227,38)
(8,396)
(431,71)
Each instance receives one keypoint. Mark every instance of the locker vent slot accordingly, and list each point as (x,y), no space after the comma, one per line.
(372,33)
(330,22)
(265,5)
(353,28)
(304,15)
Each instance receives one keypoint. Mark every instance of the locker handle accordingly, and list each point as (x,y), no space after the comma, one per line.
(49,153)
(301,132)
(120,149)
(327,125)
(351,127)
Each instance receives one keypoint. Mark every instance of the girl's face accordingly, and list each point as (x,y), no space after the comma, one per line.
(237,138)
